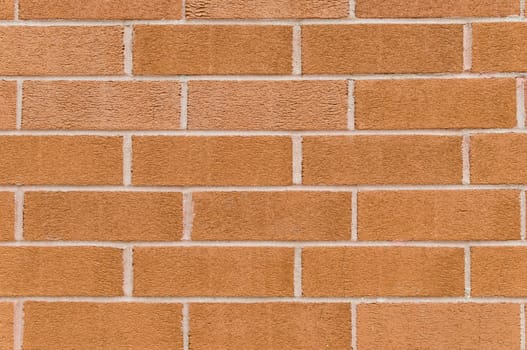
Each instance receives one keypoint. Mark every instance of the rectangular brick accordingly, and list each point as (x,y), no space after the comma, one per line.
(88,326)
(387,48)
(405,159)
(6,326)
(499,271)
(267,9)
(212,49)
(438,326)
(268,105)
(96,105)
(96,9)
(438,215)
(267,216)
(499,47)
(7,104)
(435,104)
(7,11)
(214,271)
(102,216)
(498,159)
(224,160)
(382,271)
(55,160)
(7,216)
(432,8)
(286,326)
(65,50)
(61,271)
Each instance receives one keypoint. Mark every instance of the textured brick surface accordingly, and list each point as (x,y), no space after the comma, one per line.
(7,105)
(6,326)
(7,216)
(257,326)
(83,326)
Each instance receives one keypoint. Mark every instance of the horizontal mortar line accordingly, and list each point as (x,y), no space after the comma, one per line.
(259,21)
(238,77)
(266,244)
(246,300)
(321,188)
(253,133)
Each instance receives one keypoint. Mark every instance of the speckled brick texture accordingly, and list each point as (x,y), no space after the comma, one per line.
(263,175)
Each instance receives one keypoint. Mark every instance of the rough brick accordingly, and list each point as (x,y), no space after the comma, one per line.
(268,105)
(439,215)
(6,326)
(217,271)
(267,216)
(95,9)
(498,159)
(65,50)
(7,10)
(212,49)
(382,271)
(438,326)
(60,271)
(137,105)
(407,159)
(499,47)
(432,8)
(498,271)
(267,9)
(435,104)
(270,326)
(7,104)
(7,216)
(212,160)
(389,48)
(71,160)
(87,326)
(102,216)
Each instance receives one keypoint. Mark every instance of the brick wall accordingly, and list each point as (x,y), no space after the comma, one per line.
(268,174)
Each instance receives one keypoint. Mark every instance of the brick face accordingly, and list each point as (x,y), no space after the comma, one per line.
(7,216)
(441,326)
(7,105)
(362,49)
(101,105)
(257,326)
(7,10)
(279,105)
(6,326)
(86,326)
(212,49)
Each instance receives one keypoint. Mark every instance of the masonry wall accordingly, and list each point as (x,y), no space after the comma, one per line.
(269,174)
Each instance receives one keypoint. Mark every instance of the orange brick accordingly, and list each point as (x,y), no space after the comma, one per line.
(7,104)
(276,105)
(349,49)
(64,271)
(102,216)
(139,105)
(7,216)
(267,216)
(267,9)
(439,215)
(286,326)
(435,104)
(383,271)
(212,49)
(498,158)
(87,326)
(212,160)
(71,160)
(65,50)
(499,47)
(95,9)
(382,160)
(6,326)
(7,11)
(432,8)
(499,271)
(224,271)
(438,326)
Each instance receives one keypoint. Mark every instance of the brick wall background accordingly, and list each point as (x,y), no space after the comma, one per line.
(267,174)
